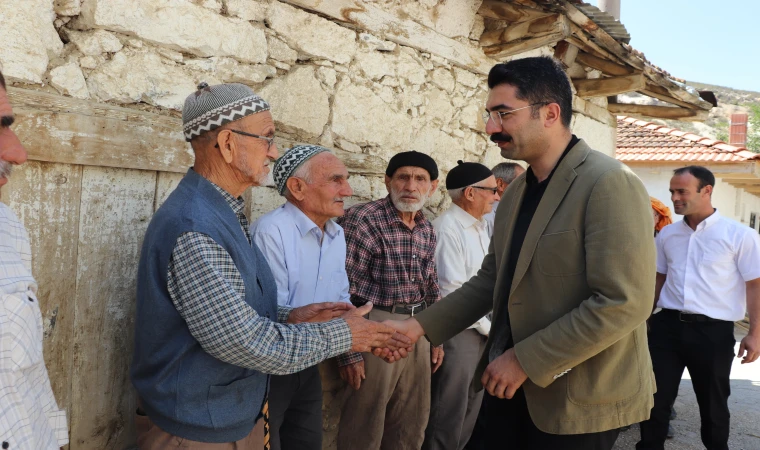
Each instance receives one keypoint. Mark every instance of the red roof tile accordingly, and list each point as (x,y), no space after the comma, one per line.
(639,140)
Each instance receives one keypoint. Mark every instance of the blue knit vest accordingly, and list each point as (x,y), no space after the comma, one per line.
(183,389)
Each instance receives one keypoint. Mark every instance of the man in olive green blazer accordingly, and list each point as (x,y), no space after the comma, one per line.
(569,275)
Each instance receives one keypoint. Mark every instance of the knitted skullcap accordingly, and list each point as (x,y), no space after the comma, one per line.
(413,159)
(291,161)
(210,107)
(466,174)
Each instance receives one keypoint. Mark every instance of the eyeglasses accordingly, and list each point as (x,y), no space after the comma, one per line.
(496,116)
(492,190)
(270,140)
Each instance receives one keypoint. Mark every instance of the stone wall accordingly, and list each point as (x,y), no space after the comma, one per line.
(358,89)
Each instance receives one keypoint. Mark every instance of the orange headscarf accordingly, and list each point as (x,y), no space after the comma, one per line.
(664,212)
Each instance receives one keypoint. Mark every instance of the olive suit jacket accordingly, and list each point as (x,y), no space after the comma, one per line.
(582,290)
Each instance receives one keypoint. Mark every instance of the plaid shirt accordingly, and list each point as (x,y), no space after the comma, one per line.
(387,263)
(208,292)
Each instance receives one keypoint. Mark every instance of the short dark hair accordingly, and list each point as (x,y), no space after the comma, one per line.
(703,174)
(506,171)
(539,79)
(2,80)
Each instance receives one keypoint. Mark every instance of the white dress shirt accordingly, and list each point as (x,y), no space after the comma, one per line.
(29,415)
(462,244)
(707,268)
(490,217)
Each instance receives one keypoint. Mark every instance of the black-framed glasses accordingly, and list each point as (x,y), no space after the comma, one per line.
(497,116)
(270,140)
(492,190)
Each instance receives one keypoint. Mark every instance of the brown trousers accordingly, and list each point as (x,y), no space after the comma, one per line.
(391,409)
(150,437)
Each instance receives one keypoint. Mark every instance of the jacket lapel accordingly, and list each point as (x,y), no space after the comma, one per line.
(558,186)
(514,210)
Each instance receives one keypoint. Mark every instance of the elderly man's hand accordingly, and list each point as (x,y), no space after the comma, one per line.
(410,328)
(367,335)
(353,374)
(504,375)
(319,312)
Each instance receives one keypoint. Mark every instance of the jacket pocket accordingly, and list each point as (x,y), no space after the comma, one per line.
(237,402)
(560,254)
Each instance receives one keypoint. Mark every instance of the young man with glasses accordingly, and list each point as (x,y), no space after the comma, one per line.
(569,274)
(462,236)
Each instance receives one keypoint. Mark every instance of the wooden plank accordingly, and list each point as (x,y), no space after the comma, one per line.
(46,198)
(605,66)
(366,16)
(656,111)
(67,130)
(593,111)
(565,52)
(166,182)
(116,207)
(662,94)
(510,12)
(604,87)
(523,30)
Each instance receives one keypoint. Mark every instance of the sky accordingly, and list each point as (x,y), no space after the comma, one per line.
(709,41)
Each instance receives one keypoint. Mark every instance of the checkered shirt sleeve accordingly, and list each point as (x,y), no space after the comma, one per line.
(208,292)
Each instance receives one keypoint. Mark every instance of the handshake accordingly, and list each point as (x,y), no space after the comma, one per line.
(390,340)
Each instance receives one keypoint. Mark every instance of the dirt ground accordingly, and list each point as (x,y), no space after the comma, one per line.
(744,404)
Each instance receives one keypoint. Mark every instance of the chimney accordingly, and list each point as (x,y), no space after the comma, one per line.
(737,132)
(611,7)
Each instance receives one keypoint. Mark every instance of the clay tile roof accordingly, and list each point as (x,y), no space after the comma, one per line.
(639,140)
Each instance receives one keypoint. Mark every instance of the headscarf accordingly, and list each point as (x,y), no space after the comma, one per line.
(664,212)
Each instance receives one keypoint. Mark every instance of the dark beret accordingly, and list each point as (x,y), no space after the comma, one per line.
(466,174)
(414,159)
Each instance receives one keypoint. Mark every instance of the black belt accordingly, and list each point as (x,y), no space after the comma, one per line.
(689,317)
(403,308)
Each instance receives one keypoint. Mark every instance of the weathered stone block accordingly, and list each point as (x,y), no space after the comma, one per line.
(28,38)
(312,35)
(94,43)
(280,51)
(467,78)
(299,104)
(443,78)
(69,80)
(179,25)
(67,7)
(248,9)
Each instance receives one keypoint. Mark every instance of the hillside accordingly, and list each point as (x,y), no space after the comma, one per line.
(730,101)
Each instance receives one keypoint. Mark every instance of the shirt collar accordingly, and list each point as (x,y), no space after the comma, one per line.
(709,221)
(463,217)
(531,179)
(305,224)
(237,204)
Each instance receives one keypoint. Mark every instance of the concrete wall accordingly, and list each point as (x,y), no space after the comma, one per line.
(732,202)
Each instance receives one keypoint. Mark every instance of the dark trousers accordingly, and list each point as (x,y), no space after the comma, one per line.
(506,425)
(454,404)
(707,350)
(295,411)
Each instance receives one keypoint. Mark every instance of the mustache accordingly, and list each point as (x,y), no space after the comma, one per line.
(500,137)
(5,169)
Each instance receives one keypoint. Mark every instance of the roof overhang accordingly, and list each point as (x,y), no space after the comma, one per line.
(578,39)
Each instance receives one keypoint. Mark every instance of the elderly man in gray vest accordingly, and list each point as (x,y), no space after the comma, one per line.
(208,329)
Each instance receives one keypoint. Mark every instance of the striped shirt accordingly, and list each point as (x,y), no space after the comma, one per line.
(29,415)
(388,263)
(208,291)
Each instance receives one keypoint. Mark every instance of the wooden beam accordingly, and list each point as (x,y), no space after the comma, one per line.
(526,36)
(604,87)
(565,52)
(659,112)
(61,129)
(605,66)
(742,182)
(593,111)
(496,9)
(366,16)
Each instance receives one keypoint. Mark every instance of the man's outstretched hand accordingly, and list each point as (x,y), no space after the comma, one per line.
(319,312)
(368,336)
(411,329)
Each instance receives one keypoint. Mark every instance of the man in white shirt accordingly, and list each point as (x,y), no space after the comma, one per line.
(29,415)
(505,174)
(708,275)
(306,251)
(463,238)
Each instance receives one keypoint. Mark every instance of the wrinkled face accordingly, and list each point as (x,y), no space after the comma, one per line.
(11,151)
(410,188)
(686,196)
(328,187)
(254,155)
(483,199)
(519,135)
